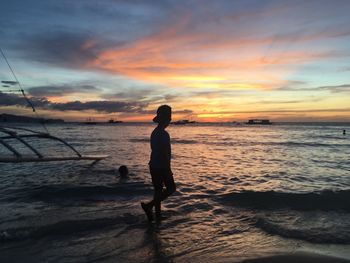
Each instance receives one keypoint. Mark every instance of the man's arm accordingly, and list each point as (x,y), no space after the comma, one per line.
(166,151)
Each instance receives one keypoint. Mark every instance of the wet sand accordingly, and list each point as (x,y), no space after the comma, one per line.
(298,257)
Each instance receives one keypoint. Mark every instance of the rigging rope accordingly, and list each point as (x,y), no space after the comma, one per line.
(21,89)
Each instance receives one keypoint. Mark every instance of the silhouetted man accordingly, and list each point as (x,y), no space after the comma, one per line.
(159,163)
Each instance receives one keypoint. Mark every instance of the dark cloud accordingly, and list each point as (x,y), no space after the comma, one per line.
(54,90)
(121,16)
(219,93)
(305,99)
(11,100)
(281,101)
(60,47)
(17,100)
(171,97)
(135,94)
(99,106)
(185,111)
(42,27)
(335,89)
(162,98)
(9,82)
(150,96)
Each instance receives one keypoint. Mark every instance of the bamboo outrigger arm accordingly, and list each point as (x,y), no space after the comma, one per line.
(10,133)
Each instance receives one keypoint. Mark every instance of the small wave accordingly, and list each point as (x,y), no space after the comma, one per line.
(173,141)
(308,144)
(139,140)
(62,228)
(300,144)
(315,234)
(88,193)
(229,142)
(325,200)
(341,137)
(291,144)
(184,141)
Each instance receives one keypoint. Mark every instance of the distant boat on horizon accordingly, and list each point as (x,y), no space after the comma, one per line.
(113,121)
(183,122)
(90,121)
(235,123)
(259,122)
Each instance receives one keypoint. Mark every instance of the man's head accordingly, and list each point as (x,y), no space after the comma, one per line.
(163,115)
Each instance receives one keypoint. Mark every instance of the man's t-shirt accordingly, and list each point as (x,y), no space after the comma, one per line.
(161,149)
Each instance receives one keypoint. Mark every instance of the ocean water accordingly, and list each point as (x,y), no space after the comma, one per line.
(242,192)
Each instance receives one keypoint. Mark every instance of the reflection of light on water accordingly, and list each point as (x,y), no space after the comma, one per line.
(208,162)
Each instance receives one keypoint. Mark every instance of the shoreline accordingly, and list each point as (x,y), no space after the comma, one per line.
(300,257)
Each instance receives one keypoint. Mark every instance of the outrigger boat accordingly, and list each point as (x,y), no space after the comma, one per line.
(18,134)
(21,134)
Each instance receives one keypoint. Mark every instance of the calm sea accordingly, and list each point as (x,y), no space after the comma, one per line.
(243,191)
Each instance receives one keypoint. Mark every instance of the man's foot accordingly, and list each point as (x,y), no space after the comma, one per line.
(148,211)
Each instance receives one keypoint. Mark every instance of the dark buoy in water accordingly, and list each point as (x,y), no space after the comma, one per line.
(344,132)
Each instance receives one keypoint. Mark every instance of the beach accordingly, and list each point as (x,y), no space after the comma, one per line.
(276,193)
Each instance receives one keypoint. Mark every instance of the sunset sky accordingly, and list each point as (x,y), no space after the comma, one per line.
(209,60)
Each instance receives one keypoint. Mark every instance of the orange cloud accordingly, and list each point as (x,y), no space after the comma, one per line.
(181,57)
(176,57)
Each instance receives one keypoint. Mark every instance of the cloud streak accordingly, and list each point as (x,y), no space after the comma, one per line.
(344,88)
(61,90)
(98,106)
(335,89)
